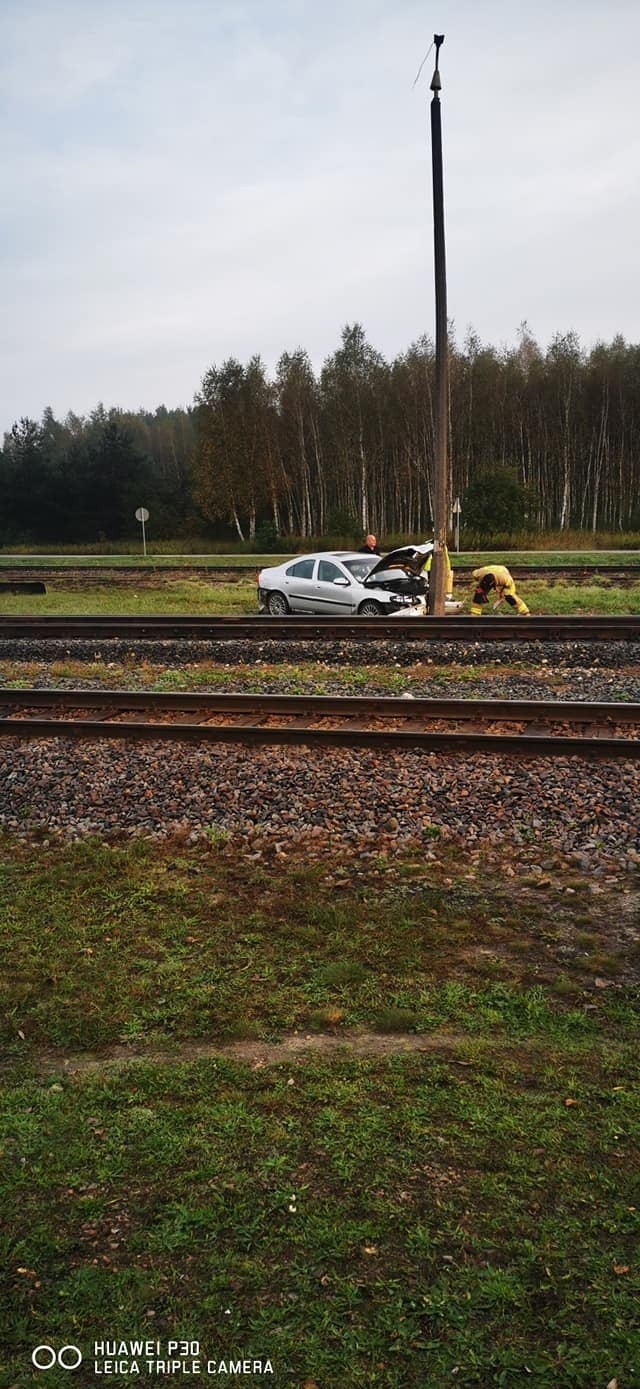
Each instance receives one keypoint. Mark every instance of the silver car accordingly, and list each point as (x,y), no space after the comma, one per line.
(341,582)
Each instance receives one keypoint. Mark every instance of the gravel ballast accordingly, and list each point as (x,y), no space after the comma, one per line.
(288,794)
(330,795)
(613,655)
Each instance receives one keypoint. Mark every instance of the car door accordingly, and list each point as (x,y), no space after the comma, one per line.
(299,588)
(334,590)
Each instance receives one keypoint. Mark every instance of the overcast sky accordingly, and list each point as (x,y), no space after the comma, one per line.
(187,180)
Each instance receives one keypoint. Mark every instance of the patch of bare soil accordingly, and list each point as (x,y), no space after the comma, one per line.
(254,1054)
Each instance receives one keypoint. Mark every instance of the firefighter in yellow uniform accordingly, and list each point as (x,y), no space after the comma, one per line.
(496,576)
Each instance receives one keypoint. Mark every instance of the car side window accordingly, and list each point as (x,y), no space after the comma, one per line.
(327,572)
(303,569)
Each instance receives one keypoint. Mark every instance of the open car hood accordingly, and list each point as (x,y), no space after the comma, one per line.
(410,558)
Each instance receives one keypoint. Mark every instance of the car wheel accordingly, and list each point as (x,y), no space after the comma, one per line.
(369,608)
(277,605)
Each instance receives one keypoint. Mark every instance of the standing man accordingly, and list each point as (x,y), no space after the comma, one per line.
(370,546)
(496,576)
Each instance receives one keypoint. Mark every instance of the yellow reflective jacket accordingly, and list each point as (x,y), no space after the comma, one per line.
(503,580)
(449,571)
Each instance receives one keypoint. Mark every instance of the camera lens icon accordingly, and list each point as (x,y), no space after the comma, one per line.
(67,1358)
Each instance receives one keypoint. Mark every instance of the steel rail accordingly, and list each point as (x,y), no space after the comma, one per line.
(373,706)
(307,628)
(220,574)
(408,712)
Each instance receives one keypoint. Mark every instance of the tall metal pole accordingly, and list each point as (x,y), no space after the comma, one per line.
(437,582)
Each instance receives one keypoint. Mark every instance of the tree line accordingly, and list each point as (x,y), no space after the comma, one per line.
(347,449)
(83,479)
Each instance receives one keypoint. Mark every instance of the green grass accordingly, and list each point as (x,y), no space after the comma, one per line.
(182,596)
(449,1218)
(97,559)
(309,677)
(545,552)
(578,599)
(580,543)
(194,945)
(549,558)
(552,547)
(466,1213)
(197,597)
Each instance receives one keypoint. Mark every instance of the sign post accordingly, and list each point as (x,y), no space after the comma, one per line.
(142,515)
(457,512)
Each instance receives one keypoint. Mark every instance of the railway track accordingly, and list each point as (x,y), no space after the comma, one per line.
(524,727)
(619,574)
(294,628)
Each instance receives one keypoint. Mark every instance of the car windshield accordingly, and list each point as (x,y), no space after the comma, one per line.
(361,566)
(384,576)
